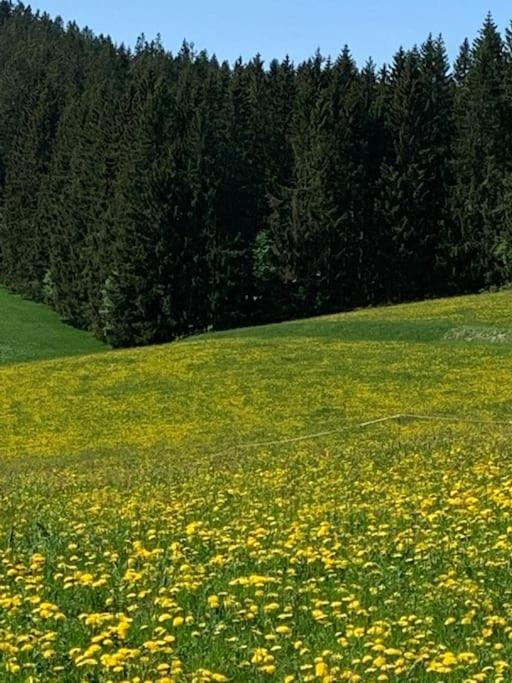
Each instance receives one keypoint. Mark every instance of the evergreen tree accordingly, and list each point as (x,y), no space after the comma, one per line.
(462,63)
(139,304)
(80,191)
(23,241)
(415,179)
(303,225)
(437,135)
(480,161)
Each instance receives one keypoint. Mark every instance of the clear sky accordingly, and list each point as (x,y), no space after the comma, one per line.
(232,28)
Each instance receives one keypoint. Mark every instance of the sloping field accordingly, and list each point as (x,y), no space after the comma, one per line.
(142,539)
(267,383)
(30,331)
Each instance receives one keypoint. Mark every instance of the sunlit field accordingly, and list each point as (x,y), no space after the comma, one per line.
(30,331)
(151,530)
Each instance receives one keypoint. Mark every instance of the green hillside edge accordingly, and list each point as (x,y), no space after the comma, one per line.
(30,331)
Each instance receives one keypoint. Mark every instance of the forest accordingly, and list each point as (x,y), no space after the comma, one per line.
(147,196)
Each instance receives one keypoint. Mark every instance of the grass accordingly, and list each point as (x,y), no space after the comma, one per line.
(141,541)
(30,331)
(264,383)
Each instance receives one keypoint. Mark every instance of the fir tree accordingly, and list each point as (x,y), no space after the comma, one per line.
(480,161)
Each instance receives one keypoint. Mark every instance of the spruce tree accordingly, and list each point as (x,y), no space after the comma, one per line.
(415,179)
(437,135)
(480,162)
(303,224)
(139,303)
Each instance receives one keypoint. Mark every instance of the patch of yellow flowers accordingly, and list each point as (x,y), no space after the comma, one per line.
(373,561)
(377,555)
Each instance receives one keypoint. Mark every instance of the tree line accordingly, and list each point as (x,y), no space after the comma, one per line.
(147,196)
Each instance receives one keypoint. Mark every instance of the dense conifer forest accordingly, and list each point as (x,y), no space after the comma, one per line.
(148,195)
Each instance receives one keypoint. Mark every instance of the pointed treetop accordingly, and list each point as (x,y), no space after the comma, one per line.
(489,37)
(463,62)
(370,66)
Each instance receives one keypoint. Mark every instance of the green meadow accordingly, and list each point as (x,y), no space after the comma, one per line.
(167,513)
(31,331)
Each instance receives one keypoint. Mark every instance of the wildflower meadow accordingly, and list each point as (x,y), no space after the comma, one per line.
(164,518)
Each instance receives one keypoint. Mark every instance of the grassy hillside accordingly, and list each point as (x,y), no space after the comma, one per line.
(141,540)
(30,331)
(451,356)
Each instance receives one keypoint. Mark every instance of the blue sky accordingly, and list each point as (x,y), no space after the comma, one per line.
(232,28)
